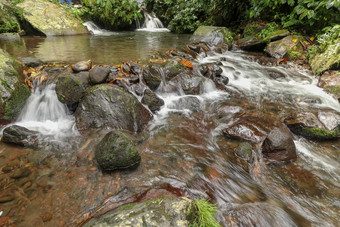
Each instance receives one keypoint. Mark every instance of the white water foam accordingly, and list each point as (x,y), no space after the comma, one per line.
(96,30)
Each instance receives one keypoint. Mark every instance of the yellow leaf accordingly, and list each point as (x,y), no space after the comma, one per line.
(312,38)
(294,40)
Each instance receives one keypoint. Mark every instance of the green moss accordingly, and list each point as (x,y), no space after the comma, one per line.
(127,206)
(293,54)
(203,214)
(16,101)
(320,134)
(333,89)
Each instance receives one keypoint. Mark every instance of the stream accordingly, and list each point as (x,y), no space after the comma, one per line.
(183,150)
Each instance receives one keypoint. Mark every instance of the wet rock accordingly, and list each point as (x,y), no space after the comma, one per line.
(188,102)
(116,151)
(330,82)
(158,212)
(152,77)
(173,68)
(71,88)
(99,74)
(82,66)
(31,62)
(213,35)
(244,151)
(138,89)
(7,169)
(288,47)
(16,102)
(329,58)
(21,172)
(135,68)
(56,22)
(279,147)
(227,112)
(152,100)
(309,126)
(107,105)
(188,84)
(20,136)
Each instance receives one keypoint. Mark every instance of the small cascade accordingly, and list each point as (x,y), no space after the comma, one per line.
(152,24)
(44,113)
(96,30)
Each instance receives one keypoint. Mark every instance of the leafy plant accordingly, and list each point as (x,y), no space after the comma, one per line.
(204,214)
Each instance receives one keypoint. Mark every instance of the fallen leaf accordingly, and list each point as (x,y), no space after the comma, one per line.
(187,64)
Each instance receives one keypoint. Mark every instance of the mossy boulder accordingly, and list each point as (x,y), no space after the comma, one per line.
(288,47)
(173,68)
(116,151)
(213,35)
(71,88)
(158,212)
(8,20)
(106,105)
(50,19)
(13,93)
(320,126)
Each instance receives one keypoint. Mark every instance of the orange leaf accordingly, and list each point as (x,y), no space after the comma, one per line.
(187,64)
(282,60)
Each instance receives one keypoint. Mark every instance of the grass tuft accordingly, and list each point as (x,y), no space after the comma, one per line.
(204,214)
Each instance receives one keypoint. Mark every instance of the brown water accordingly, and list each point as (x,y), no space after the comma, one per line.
(185,154)
(113,49)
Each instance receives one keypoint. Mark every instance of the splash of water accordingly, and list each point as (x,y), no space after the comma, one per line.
(96,30)
(152,24)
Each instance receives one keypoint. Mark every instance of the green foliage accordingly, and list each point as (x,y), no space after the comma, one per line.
(311,14)
(116,14)
(8,26)
(204,214)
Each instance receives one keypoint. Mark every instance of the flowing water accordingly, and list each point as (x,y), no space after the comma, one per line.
(184,153)
(152,24)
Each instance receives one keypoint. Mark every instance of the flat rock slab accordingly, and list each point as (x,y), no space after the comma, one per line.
(51,19)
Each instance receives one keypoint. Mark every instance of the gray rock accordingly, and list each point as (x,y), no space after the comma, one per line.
(188,84)
(213,35)
(31,62)
(108,105)
(99,74)
(152,78)
(152,100)
(20,136)
(82,66)
(160,212)
(285,47)
(279,147)
(244,151)
(116,151)
(188,102)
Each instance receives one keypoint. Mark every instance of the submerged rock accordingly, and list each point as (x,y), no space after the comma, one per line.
(20,136)
(71,88)
(213,35)
(279,147)
(308,125)
(159,212)
(152,100)
(116,151)
(82,66)
(191,103)
(50,19)
(108,105)
(99,74)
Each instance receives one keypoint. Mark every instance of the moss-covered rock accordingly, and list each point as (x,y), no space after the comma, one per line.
(288,47)
(158,212)
(152,100)
(110,106)
(16,101)
(116,151)
(50,19)
(8,20)
(213,35)
(328,53)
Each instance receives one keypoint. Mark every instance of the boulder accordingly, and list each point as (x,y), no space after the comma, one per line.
(13,93)
(325,126)
(329,57)
(188,84)
(108,105)
(50,19)
(99,74)
(244,151)
(158,212)
(279,147)
(82,66)
(71,88)
(212,35)
(116,151)
(18,135)
(330,82)
(152,77)
(31,62)
(152,100)
(288,47)
(173,68)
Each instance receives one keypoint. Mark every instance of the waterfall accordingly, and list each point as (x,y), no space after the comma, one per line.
(152,24)
(96,30)
(43,112)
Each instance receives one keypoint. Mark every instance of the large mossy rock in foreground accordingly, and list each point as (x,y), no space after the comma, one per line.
(288,47)
(116,151)
(213,35)
(50,19)
(110,106)
(13,93)
(159,212)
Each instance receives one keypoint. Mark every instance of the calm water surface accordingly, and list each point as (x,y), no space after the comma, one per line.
(114,49)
